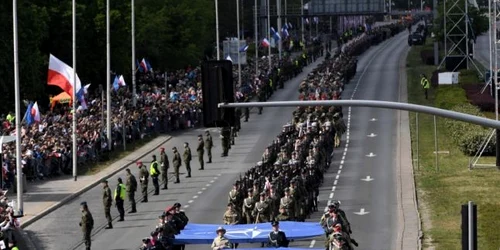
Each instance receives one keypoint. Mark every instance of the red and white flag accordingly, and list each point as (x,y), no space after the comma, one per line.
(61,75)
(35,112)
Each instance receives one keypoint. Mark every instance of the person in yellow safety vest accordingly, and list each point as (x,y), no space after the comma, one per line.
(425,85)
(10,118)
(120,198)
(302,44)
(154,172)
(13,245)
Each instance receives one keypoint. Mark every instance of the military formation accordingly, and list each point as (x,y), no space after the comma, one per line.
(284,185)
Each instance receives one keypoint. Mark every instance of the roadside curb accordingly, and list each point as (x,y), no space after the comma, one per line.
(88,187)
(410,223)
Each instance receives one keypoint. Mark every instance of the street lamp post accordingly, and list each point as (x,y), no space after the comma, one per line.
(217,28)
(134,88)
(269,32)
(238,41)
(256,38)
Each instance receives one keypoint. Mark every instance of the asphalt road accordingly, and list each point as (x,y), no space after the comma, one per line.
(204,196)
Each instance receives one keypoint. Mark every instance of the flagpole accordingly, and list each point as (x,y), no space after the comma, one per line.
(302,19)
(278,10)
(256,39)
(269,33)
(134,90)
(108,80)
(217,28)
(75,85)
(238,42)
(17,91)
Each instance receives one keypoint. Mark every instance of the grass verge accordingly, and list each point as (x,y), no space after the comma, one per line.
(442,190)
(114,156)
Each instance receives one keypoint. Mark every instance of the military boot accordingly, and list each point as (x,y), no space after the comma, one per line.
(110,226)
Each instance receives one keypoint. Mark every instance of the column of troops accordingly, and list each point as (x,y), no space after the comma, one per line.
(284,185)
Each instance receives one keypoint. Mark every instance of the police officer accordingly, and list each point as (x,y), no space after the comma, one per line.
(120,198)
(131,188)
(143,178)
(155,172)
(107,202)
(176,161)
(277,238)
(187,159)
(201,150)
(165,165)
(87,224)
(209,144)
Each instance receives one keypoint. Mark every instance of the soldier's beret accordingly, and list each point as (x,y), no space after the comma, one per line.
(138,163)
(146,240)
(287,189)
(83,203)
(174,148)
(154,156)
(162,149)
(275,223)
(229,204)
(207,131)
(177,205)
(200,135)
(119,179)
(161,216)
(186,143)
(250,190)
(263,194)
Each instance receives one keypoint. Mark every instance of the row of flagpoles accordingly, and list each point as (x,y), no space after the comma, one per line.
(66,78)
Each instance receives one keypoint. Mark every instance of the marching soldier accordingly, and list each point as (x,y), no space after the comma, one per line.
(165,165)
(231,216)
(180,215)
(261,210)
(131,188)
(176,161)
(273,201)
(235,196)
(107,202)
(155,172)
(248,206)
(209,144)
(342,214)
(288,203)
(283,216)
(186,157)
(221,242)
(262,98)
(143,179)
(277,238)
(87,224)
(200,149)
(120,198)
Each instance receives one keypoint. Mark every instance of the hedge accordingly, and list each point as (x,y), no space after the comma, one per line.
(469,137)
(449,96)
(468,76)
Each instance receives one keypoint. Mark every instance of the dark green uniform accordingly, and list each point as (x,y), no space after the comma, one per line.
(201,150)
(176,162)
(165,165)
(226,135)
(143,178)
(131,185)
(107,200)
(261,212)
(186,157)
(209,144)
(283,217)
(87,224)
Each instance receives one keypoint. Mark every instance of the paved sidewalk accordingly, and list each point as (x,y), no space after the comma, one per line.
(409,232)
(44,197)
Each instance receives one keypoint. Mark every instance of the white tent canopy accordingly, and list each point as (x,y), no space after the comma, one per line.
(6,139)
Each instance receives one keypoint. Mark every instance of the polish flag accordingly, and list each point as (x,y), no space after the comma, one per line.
(121,81)
(266,43)
(61,75)
(35,112)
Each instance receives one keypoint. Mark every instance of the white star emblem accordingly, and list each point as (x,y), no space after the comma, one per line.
(247,233)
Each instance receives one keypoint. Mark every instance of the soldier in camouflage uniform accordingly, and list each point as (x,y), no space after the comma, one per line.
(248,206)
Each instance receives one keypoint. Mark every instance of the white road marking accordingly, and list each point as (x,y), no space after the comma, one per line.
(186,206)
(190,201)
(337,177)
(200,192)
(312,243)
(208,185)
(219,174)
(212,181)
(342,162)
(203,188)
(338,172)
(331,195)
(333,188)
(335,182)
(215,178)
(340,167)
(196,196)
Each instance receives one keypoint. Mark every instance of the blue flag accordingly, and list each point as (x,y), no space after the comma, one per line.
(116,84)
(244,48)
(28,116)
